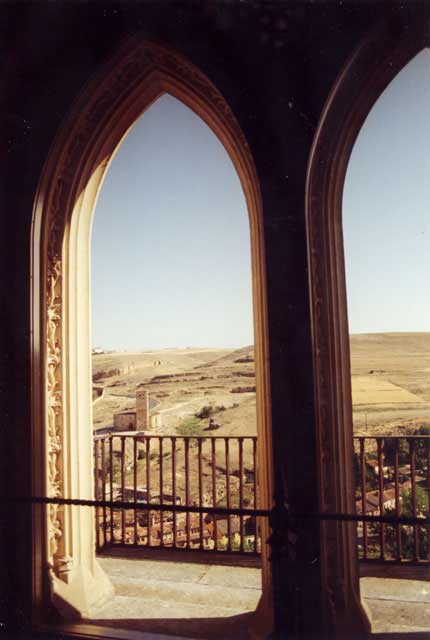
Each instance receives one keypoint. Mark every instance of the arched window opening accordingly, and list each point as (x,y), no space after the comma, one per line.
(68,464)
(173,354)
(386,229)
(374,64)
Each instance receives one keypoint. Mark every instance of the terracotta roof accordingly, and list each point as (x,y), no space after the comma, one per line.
(372,500)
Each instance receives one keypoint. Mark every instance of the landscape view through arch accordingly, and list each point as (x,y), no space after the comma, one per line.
(173,347)
(174,386)
(386,226)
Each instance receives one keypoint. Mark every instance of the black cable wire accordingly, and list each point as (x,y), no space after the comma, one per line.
(263,513)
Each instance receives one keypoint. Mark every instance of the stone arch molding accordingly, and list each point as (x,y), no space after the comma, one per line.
(126,86)
(378,59)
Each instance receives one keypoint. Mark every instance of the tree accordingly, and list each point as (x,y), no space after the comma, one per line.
(189,427)
(422,446)
(420,501)
(407,534)
(389,450)
(205,412)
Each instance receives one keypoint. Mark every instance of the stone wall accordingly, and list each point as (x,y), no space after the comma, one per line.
(155,420)
(125,420)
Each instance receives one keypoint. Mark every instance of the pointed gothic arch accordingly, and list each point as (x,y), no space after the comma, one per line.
(378,59)
(65,570)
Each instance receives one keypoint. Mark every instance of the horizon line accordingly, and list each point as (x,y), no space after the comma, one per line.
(200,347)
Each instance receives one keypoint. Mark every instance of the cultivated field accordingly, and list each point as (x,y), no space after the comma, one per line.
(390,381)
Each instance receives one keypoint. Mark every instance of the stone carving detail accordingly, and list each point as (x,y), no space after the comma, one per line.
(108,91)
(54,401)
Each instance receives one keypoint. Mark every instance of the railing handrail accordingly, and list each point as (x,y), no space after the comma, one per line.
(408,437)
(131,434)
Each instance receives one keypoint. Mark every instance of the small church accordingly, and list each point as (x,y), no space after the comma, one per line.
(142,419)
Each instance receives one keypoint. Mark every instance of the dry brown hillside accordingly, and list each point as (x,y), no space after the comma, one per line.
(390,384)
(181,383)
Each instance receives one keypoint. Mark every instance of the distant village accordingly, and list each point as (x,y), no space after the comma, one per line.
(167,529)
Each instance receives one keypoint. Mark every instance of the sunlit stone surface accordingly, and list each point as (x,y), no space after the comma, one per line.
(181,598)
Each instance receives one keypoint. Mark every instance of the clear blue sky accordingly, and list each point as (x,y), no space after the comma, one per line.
(171,262)
(171,249)
(386,209)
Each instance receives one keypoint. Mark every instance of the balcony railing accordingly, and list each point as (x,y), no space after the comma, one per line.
(193,471)
(392,475)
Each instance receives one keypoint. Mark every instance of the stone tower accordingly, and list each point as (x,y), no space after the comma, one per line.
(142,409)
